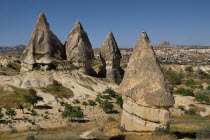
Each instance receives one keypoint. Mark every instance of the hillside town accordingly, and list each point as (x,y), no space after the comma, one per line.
(172,54)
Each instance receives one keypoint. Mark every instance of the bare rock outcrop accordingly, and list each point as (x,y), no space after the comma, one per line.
(79,49)
(110,56)
(5,60)
(146,94)
(43,47)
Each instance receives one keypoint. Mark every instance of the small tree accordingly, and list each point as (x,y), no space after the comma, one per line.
(21,107)
(119,101)
(33,98)
(72,112)
(98,99)
(10,112)
(110,92)
(106,106)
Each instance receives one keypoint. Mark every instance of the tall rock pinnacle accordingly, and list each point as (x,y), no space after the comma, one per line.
(43,47)
(79,49)
(111,56)
(145,93)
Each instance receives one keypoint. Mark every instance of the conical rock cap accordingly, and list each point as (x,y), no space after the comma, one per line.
(44,46)
(78,46)
(109,49)
(144,82)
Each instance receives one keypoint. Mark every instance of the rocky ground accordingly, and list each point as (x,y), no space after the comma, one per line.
(97,123)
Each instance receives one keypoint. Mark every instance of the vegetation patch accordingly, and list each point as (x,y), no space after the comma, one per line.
(58,90)
(184,92)
(12,99)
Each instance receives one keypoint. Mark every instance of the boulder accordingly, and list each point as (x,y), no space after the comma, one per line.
(79,49)
(110,56)
(43,47)
(146,94)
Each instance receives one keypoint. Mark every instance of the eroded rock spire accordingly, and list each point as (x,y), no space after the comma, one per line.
(145,92)
(43,47)
(79,49)
(111,56)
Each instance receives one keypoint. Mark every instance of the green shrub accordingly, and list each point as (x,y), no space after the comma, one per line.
(189,69)
(98,99)
(33,98)
(202,98)
(91,102)
(203,134)
(76,101)
(181,107)
(62,103)
(110,92)
(190,83)
(191,111)
(173,77)
(107,106)
(84,103)
(10,112)
(59,110)
(72,112)
(184,92)
(202,75)
(119,101)
(10,66)
(34,113)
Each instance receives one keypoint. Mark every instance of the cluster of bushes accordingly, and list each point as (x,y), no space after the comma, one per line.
(173,77)
(72,112)
(202,98)
(103,99)
(9,112)
(184,92)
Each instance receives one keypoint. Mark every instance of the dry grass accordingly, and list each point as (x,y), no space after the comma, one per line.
(11,99)
(88,87)
(189,124)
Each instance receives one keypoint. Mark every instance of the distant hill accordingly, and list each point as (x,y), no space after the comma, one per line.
(12,49)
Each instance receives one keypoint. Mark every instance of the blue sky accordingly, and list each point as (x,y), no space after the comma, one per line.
(181,22)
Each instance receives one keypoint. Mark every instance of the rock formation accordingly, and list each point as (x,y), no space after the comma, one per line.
(43,48)
(5,60)
(110,57)
(79,49)
(146,95)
